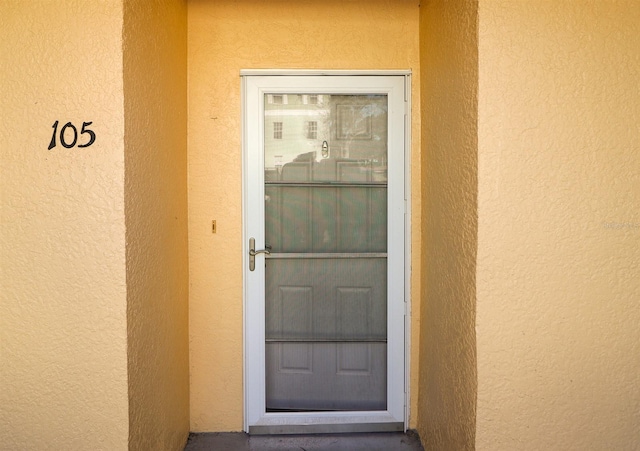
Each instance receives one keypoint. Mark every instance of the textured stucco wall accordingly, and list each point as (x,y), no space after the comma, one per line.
(63,371)
(155,102)
(224,37)
(449,83)
(559,225)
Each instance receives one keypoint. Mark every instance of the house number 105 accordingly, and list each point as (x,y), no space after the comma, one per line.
(64,135)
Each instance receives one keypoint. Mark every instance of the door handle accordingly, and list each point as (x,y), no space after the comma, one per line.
(253,252)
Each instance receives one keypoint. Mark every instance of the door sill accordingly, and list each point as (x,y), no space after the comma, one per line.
(326,423)
(327,428)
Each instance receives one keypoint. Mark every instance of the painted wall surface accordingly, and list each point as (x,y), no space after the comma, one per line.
(155,106)
(559,225)
(224,37)
(63,376)
(449,82)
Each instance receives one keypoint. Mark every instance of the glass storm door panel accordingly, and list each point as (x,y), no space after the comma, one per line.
(326,183)
(325,203)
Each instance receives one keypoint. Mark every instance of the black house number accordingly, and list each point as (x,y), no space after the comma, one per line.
(66,135)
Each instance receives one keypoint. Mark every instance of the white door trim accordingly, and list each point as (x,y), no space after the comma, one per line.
(306,72)
(258,82)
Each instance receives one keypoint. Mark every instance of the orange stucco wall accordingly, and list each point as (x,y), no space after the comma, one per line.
(224,37)
(155,108)
(94,279)
(63,340)
(449,83)
(559,225)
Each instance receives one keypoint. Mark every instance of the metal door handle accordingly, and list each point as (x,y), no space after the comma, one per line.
(253,252)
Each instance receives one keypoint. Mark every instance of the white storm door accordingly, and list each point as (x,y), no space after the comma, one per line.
(324,224)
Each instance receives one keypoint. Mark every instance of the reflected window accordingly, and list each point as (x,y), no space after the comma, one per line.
(312,130)
(277,130)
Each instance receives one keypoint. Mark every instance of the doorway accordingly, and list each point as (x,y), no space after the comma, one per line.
(325,246)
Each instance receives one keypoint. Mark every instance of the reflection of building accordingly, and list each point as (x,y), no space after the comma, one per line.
(353,126)
(293,125)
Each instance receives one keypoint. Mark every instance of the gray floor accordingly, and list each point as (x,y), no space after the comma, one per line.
(239,441)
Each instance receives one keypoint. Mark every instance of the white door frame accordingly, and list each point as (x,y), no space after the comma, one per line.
(254,84)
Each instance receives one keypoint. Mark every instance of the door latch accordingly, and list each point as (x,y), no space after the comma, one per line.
(253,252)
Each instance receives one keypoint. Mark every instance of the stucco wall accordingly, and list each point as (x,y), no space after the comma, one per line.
(559,225)
(63,376)
(155,106)
(449,82)
(224,37)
